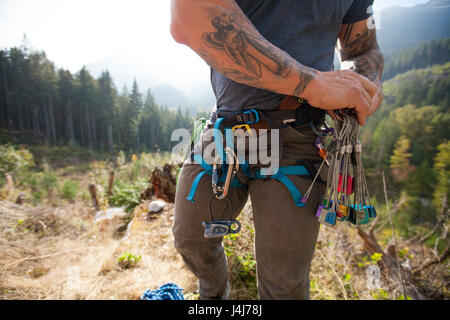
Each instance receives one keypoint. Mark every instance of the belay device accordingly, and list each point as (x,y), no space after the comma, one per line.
(221,228)
(347,196)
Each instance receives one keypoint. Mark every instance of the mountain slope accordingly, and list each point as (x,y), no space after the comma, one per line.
(422,56)
(407,27)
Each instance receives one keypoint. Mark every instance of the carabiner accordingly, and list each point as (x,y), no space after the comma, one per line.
(221,191)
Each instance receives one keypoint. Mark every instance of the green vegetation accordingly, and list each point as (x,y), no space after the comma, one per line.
(69,190)
(425,55)
(241,259)
(127,194)
(408,140)
(13,160)
(128,260)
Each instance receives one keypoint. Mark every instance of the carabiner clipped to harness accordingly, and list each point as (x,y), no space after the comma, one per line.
(221,190)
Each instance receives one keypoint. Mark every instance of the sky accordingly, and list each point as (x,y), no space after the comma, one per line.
(74,33)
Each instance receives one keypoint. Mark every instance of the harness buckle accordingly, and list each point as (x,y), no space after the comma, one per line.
(252,111)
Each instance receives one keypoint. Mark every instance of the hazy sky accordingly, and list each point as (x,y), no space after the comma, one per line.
(74,33)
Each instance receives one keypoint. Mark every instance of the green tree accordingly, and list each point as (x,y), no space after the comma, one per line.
(135,109)
(108,106)
(400,160)
(442,171)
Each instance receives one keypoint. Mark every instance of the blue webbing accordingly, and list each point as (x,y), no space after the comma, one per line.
(280,175)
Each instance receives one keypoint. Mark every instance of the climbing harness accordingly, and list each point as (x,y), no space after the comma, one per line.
(227,163)
(347,197)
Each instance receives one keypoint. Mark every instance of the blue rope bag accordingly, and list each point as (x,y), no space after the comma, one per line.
(169,291)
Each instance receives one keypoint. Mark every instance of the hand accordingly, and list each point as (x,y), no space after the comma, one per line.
(344,89)
(377,101)
(378,98)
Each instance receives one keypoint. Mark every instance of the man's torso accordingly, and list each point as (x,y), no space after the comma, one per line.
(307,30)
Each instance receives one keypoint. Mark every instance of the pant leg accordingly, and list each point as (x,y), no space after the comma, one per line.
(204,257)
(286,235)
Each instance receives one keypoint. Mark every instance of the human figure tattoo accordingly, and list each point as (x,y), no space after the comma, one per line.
(245,49)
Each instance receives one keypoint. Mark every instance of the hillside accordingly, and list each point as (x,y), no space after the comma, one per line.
(422,56)
(408,137)
(429,86)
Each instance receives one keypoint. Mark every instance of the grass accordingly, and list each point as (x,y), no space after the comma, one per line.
(58,253)
(53,250)
(70,258)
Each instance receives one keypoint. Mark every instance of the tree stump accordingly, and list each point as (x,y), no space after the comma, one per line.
(94,198)
(163,184)
(21,198)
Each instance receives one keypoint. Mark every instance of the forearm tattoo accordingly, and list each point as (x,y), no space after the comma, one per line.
(249,51)
(363,52)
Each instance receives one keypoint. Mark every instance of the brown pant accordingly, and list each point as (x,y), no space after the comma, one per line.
(285,235)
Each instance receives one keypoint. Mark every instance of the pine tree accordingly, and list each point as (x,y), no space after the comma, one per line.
(135,115)
(86,108)
(66,97)
(108,101)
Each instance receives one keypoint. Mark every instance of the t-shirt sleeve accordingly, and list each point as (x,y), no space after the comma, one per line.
(359,10)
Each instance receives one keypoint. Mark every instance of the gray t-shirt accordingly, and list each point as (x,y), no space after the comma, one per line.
(306,29)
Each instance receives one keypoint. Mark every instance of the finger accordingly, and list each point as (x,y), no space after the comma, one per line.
(367,97)
(368,85)
(362,109)
(376,103)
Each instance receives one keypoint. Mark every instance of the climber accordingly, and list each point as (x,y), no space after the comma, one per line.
(271,67)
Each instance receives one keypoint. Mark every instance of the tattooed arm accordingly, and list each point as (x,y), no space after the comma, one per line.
(222,35)
(359,51)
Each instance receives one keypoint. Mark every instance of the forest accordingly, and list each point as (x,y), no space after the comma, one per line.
(60,108)
(62,133)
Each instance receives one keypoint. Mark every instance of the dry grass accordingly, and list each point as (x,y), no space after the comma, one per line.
(59,253)
(80,262)
(339,268)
